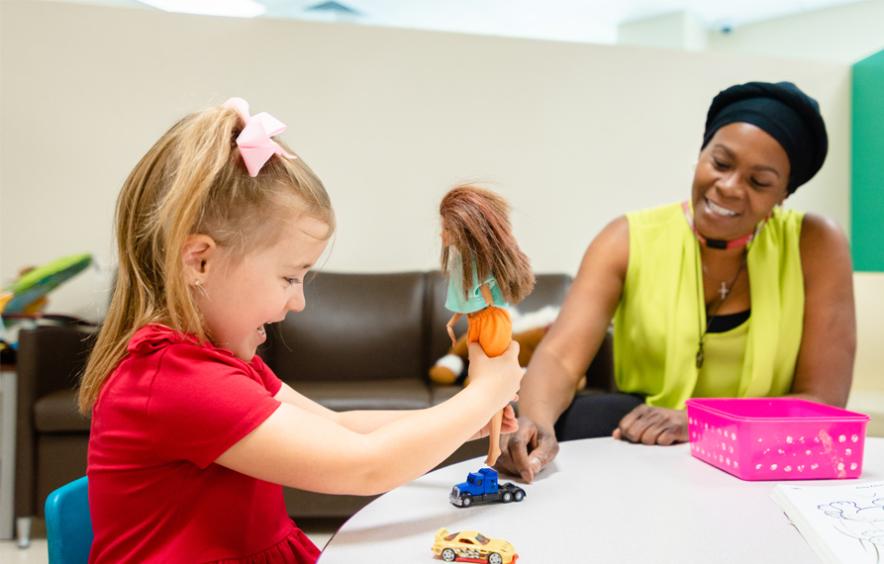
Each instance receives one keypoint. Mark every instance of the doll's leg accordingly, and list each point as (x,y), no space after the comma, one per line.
(494,439)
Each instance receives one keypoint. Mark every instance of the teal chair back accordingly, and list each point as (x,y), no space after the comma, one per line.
(68,524)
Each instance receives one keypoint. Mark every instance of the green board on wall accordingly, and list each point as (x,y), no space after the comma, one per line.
(867,177)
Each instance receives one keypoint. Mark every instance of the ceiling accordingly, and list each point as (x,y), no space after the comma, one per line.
(594,21)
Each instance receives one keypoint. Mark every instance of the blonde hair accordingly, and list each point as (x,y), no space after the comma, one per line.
(477,221)
(193,180)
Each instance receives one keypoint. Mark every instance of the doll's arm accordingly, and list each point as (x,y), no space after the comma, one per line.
(486,293)
(450,327)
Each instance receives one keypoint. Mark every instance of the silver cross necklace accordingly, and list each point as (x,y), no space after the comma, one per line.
(724,291)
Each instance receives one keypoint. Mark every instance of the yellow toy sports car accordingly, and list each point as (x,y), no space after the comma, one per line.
(472,546)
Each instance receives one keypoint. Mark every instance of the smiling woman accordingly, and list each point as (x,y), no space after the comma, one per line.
(725,294)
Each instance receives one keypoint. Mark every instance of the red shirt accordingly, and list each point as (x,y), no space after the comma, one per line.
(170,408)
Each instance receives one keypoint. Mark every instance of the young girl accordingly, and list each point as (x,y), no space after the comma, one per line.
(192,435)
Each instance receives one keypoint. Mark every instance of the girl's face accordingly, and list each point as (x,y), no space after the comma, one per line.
(241,298)
(741,175)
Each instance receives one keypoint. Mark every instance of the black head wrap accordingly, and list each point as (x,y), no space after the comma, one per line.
(783,111)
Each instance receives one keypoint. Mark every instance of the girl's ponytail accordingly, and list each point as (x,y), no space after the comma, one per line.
(193,180)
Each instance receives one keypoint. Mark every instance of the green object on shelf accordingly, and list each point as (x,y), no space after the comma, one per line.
(42,280)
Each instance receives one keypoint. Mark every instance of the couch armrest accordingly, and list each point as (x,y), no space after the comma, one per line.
(49,359)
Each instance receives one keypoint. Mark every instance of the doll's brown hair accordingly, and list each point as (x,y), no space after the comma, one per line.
(478,226)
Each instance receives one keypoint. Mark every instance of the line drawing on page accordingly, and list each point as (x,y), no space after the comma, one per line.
(860,520)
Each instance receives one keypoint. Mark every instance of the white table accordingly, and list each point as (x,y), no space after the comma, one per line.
(600,501)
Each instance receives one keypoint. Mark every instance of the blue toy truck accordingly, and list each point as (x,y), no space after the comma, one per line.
(482,487)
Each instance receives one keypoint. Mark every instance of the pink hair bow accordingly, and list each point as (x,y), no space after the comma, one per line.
(255,141)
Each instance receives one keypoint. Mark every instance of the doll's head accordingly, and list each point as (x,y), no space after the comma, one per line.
(475,221)
(194,184)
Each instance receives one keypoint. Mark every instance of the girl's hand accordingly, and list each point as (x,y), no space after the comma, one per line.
(499,377)
(653,426)
(509,424)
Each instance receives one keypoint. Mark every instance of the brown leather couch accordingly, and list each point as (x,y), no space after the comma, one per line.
(365,341)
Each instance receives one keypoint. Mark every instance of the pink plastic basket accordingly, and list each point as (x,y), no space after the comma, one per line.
(777,438)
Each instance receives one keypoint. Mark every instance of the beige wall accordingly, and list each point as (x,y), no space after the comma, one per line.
(572,134)
(844,33)
(867,394)
(869,288)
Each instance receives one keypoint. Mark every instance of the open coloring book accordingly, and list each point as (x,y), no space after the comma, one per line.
(843,523)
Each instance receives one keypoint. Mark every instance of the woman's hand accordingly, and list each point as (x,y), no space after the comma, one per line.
(653,426)
(528,450)
(509,424)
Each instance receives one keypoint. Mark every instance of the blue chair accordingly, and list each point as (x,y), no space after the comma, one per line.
(68,524)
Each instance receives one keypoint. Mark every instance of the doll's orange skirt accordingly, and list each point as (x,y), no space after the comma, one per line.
(492,329)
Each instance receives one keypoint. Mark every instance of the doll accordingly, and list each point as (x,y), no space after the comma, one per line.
(486,271)
(528,330)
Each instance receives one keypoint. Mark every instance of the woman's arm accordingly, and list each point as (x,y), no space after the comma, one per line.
(565,352)
(824,370)
(563,356)
(301,448)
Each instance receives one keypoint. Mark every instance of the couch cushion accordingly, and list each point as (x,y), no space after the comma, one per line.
(395,393)
(56,412)
(354,327)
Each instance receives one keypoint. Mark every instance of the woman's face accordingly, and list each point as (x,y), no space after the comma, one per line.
(741,174)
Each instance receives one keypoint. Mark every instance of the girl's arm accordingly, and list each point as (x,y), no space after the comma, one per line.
(358,421)
(301,448)
(366,421)
(824,370)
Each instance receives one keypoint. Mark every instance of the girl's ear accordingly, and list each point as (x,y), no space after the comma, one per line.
(199,253)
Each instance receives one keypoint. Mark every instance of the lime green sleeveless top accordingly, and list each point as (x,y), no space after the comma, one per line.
(720,375)
(662,312)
